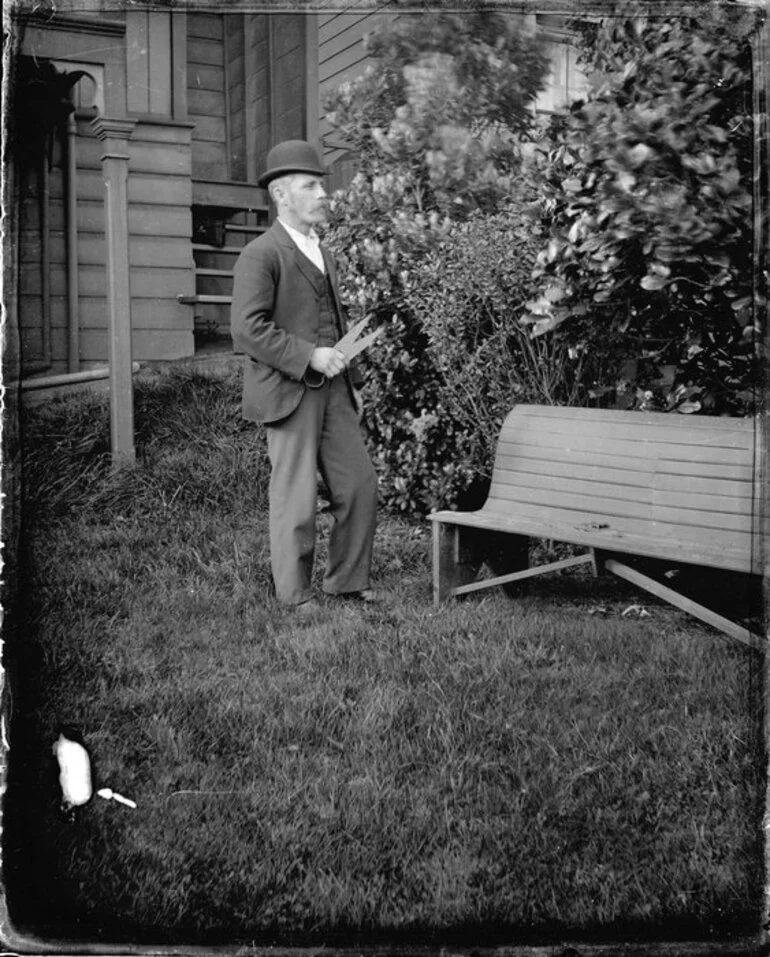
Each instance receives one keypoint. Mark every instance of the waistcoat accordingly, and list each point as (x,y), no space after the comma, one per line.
(328,332)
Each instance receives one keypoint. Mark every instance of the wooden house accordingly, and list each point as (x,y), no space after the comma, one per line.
(139,135)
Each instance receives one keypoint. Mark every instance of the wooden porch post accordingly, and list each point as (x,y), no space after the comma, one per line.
(312,105)
(115,135)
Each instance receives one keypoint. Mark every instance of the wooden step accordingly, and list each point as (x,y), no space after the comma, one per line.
(206,271)
(209,248)
(240,236)
(213,285)
(216,257)
(229,194)
(213,300)
(238,228)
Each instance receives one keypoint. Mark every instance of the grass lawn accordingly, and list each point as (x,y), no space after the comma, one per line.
(512,770)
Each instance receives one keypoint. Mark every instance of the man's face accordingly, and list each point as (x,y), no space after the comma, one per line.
(303,200)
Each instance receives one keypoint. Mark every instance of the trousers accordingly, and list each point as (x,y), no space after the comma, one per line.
(322,434)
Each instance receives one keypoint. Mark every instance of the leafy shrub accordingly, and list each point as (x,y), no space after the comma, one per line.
(468,295)
(446,101)
(649,198)
(439,124)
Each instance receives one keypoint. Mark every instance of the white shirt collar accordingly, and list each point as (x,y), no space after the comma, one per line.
(297,236)
(310,245)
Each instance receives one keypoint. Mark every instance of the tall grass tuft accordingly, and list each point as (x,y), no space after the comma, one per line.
(193,448)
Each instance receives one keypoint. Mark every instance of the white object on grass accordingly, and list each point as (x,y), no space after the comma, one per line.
(74,771)
(108,794)
(638,610)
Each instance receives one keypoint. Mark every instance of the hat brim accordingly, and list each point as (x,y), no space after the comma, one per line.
(272,174)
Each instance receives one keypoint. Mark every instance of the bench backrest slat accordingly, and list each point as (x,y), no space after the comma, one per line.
(639,449)
(737,483)
(571,523)
(729,497)
(619,507)
(551,458)
(614,418)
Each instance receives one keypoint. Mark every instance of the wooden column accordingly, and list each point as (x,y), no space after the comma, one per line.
(250,92)
(312,90)
(179,65)
(71,220)
(115,135)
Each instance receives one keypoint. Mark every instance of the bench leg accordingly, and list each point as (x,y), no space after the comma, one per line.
(457,557)
(596,561)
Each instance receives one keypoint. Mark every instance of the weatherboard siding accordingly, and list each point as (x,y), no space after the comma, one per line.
(206,102)
(341,57)
(160,254)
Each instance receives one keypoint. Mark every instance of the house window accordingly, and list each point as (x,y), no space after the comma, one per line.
(567,82)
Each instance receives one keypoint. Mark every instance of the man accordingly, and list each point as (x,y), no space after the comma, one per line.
(286,318)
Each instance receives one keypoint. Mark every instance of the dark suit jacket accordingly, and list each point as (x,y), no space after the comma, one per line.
(275,322)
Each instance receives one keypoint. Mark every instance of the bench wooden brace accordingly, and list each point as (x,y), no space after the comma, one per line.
(685,604)
(459,551)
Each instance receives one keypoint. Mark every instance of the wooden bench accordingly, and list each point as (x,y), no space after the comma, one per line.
(674,487)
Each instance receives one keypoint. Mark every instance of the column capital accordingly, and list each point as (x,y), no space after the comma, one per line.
(107,128)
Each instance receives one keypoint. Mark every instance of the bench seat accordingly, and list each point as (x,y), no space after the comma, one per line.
(672,487)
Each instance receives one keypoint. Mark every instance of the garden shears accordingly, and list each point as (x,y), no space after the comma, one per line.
(350,345)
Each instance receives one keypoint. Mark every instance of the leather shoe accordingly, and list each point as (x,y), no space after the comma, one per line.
(366,596)
(307,608)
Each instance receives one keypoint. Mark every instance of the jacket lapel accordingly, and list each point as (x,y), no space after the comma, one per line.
(308,270)
(313,275)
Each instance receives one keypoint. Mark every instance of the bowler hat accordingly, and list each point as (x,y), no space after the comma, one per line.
(291,156)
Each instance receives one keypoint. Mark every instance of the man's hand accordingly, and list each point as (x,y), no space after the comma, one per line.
(328,361)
